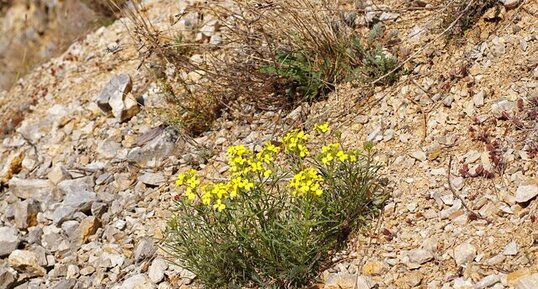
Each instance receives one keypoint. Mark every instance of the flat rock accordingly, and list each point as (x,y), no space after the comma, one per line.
(66,284)
(152,179)
(108,149)
(76,185)
(503,106)
(144,249)
(36,189)
(139,281)
(341,281)
(82,200)
(478,99)
(487,281)
(62,213)
(9,240)
(26,262)
(510,249)
(419,155)
(525,193)
(523,281)
(364,282)
(420,256)
(155,151)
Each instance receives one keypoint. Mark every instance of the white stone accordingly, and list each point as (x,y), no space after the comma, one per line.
(156,270)
(478,99)
(509,4)
(526,193)
(464,253)
(510,249)
(526,282)
(487,281)
(419,155)
(139,281)
(420,256)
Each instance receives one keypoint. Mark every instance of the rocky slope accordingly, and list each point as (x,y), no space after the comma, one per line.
(87,171)
(34,31)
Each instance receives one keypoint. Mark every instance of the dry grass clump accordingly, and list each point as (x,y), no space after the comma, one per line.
(469,12)
(273,54)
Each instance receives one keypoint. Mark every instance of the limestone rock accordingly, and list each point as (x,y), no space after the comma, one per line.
(36,189)
(116,98)
(27,262)
(87,227)
(420,256)
(155,151)
(9,240)
(523,280)
(11,167)
(114,92)
(7,278)
(341,281)
(156,270)
(526,193)
(144,249)
(152,179)
(139,281)
(464,253)
(509,4)
(26,213)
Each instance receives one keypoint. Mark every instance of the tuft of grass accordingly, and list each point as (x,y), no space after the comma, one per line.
(273,55)
(469,13)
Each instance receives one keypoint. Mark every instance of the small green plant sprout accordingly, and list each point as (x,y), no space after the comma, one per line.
(279,213)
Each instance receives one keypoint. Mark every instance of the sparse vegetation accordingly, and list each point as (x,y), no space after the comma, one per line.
(273,55)
(281,213)
(464,14)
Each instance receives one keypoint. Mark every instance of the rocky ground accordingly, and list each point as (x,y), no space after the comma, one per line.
(87,170)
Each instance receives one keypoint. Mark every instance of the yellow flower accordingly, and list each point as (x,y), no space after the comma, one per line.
(219,206)
(322,127)
(191,181)
(190,194)
(329,152)
(295,142)
(267,173)
(220,190)
(206,198)
(306,182)
(255,166)
(185,177)
(342,156)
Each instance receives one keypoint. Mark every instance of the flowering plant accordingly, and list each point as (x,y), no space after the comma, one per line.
(279,213)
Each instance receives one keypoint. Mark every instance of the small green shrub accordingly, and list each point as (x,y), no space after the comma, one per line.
(313,69)
(279,215)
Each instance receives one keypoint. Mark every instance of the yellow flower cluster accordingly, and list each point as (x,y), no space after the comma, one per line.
(333,151)
(220,192)
(295,143)
(321,127)
(242,161)
(190,181)
(306,182)
(243,164)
